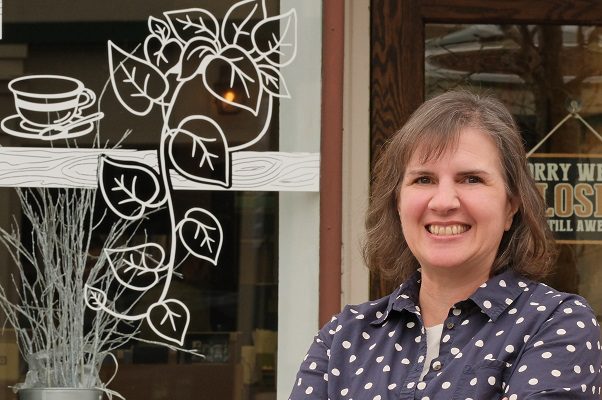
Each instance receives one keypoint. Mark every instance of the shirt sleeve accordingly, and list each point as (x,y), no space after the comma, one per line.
(312,379)
(562,359)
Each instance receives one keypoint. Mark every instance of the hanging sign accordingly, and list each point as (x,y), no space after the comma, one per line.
(571,185)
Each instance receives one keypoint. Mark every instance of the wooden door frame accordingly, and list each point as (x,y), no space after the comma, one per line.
(397,52)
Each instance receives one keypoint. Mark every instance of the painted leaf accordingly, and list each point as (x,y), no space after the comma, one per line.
(96,299)
(129,188)
(273,81)
(206,158)
(136,82)
(278,51)
(201,233)
(163,53)
(240,20)
(159,27)
(137,267)
(192,23)
(192,57)
(242,76)
(169,319)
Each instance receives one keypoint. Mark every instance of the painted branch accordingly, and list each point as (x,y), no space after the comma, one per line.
(253,171)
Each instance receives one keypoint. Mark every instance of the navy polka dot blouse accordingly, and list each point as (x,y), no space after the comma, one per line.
(513,339)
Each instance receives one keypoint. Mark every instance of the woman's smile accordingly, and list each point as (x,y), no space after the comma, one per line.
(447,230)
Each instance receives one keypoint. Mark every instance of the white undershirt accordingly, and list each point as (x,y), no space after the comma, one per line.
(433,339)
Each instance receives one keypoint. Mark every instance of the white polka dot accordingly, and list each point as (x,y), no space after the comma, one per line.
(368,385)
(491,380)
(352,358)
(591,369)
(538,343)
(338,328)
(344,392)
(533,381)
(405,361)
(365,335)
(547,354)
(479,343)
(410,324)
(454,350)
(421,385)
(526,338)
(568,310)
(555,373)
(335,372)
(398,347)
(386,368)
(465,322)
(410,385)
(445,385)
(519,320)
(588,345)
(541,308)
(360,316)
(420,359)
(313,365)
(309,390)
(377,397)
(509,348)
(417,340)
(580,324)
(391,333)
(372,346)
(456,311)
(522,368)
(522,284)
(502,283)
(499,333)
(577,369)
(570,348)
(487,304)
(513,397)
(359,371)
(459,355)
(512,311)
(379,359)
(392,386)
(508,301)
(379,314)
(299,382)
(560,332)
(346,344)
(446,338)
(473,381)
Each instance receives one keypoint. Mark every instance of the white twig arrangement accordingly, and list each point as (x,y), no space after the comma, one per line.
(63,342)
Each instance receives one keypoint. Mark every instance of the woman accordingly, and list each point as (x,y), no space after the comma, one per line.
(457,218)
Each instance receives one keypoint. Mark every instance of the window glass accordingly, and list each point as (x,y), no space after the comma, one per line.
(234,304)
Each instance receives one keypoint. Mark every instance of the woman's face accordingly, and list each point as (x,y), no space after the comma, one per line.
(454,209)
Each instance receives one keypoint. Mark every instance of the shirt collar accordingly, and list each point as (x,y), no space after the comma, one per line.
(499,292)
(492,297)
(405,297)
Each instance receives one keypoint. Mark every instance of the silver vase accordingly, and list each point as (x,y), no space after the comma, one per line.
(59,394)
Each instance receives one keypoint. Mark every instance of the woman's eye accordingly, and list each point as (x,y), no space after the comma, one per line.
(473,179)
(424,180)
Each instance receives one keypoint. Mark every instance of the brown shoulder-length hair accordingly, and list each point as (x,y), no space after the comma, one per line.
(527,247)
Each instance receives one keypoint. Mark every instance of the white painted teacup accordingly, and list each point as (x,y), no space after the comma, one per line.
(48,100)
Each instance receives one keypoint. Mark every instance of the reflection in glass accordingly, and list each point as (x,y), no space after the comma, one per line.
(539,72)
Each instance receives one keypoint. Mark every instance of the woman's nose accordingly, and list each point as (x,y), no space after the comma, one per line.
(445,198)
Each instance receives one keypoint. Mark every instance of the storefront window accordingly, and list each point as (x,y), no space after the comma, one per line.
(549,76)
(234,304)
